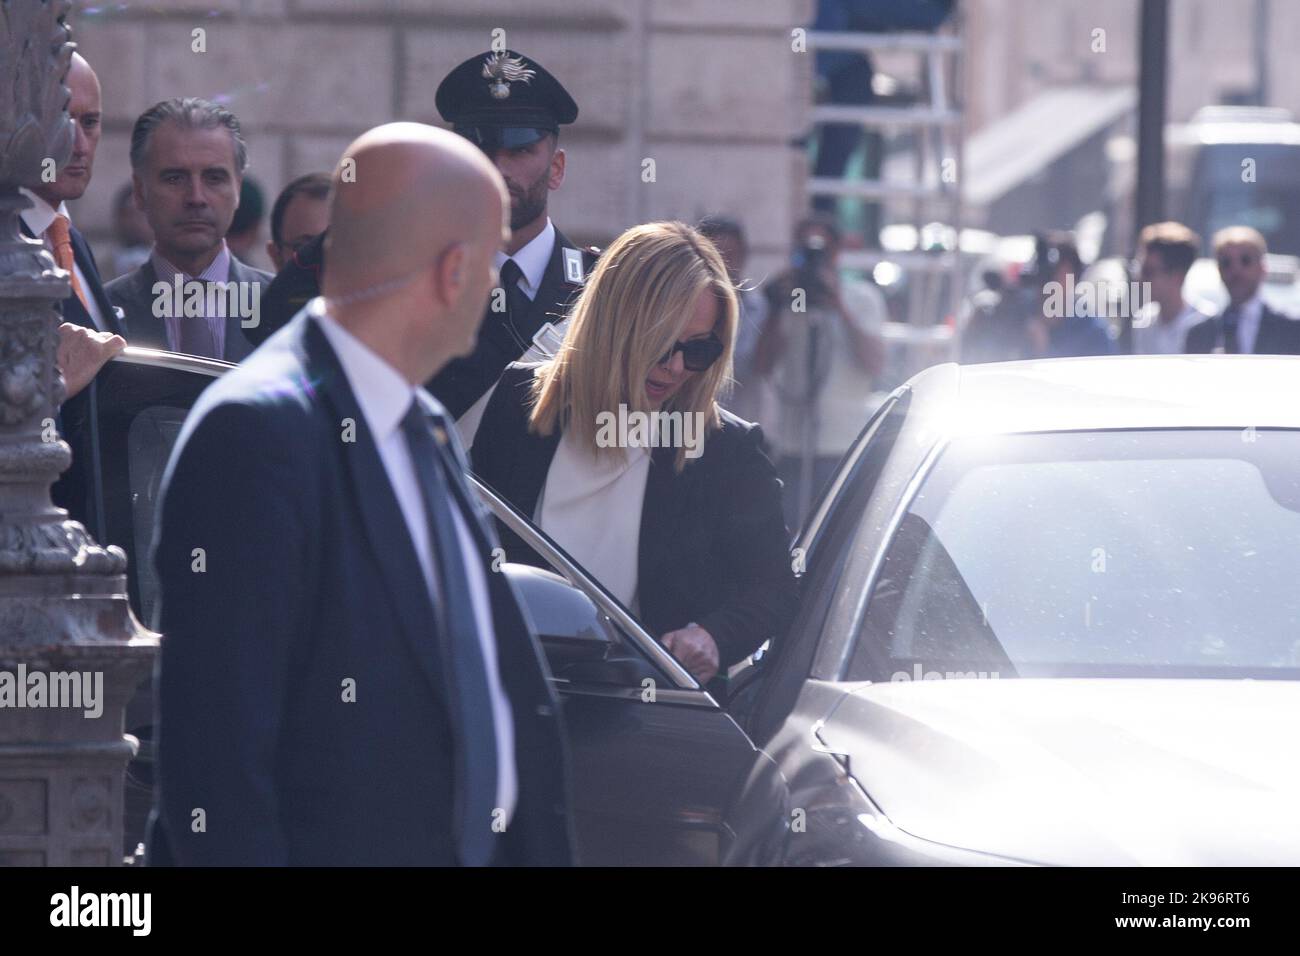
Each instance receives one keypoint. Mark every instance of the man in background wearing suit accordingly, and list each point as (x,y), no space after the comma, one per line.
(300,214)
(346,681)
(91,334)
(1246,325)
(187,161)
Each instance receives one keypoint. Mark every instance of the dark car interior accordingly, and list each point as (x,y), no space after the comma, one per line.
(922,611)
(141,409)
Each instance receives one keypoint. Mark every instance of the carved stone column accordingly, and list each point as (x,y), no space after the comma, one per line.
(65,621)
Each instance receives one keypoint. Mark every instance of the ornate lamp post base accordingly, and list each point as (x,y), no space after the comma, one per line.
(71,651)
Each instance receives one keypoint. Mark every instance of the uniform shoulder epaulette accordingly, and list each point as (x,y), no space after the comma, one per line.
(578,263)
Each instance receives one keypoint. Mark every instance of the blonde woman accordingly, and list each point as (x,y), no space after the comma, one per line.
(619,451)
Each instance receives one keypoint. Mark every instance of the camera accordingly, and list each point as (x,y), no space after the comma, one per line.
(808,263)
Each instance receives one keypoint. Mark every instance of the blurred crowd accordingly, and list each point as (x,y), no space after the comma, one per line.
(1048,309)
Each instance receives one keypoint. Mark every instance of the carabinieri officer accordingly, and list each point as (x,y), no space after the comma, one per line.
(512,109)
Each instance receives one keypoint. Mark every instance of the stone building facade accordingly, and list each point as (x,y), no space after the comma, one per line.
(710,93)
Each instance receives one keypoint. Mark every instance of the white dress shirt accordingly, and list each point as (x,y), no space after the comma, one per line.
(38,219)
(532,259)
(1151,336)
(385,396)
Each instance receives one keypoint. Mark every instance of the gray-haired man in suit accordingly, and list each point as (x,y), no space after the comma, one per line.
(192,295)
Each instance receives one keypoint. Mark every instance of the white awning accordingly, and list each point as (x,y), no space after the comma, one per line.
(1010,151)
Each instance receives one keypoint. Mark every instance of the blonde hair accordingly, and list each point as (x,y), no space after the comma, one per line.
(633,309)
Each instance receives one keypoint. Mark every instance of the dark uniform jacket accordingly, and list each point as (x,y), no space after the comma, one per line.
(502,339)
(713,544)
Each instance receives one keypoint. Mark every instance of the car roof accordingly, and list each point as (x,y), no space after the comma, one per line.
(1108,393)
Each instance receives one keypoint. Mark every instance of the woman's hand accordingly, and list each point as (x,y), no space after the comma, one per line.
(695,648)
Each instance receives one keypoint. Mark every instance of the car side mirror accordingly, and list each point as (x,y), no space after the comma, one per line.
(571,628)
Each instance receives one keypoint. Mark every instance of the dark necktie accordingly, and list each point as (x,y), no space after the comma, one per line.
(517,303)
(1231,318)
(471,704)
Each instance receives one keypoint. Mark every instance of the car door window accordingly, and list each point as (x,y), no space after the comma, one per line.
(143,401)
(822,549)
(150,438)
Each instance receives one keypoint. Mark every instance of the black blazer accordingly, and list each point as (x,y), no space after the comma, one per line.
(134,293)
(312,580)
(1278,334)
(713,544)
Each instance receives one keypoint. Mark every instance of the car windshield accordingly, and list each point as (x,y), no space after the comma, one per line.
(1090,554)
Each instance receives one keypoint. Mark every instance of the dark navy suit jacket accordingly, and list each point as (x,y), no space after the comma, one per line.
(1278,334)
(75,488)
(71,307)
(311,584)
(73,310)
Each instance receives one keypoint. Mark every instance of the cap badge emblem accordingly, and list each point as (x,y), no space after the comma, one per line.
(501,69)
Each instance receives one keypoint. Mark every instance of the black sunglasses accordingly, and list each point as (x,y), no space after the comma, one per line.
(697,354)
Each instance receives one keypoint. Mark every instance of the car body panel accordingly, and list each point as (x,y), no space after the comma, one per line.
(1112,392)
(1097,772)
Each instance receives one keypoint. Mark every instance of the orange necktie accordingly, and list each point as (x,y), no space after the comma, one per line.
(61,240)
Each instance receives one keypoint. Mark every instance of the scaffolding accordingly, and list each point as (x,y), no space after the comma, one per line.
(929,200)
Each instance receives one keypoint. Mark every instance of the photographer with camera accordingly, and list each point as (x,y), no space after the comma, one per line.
(1065,324)
(820,351)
